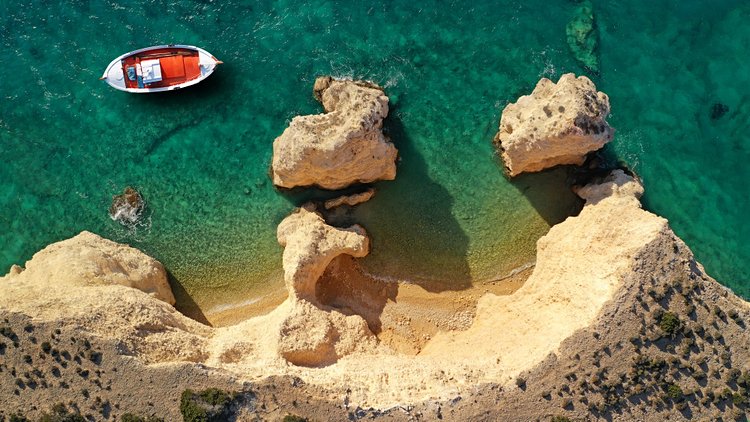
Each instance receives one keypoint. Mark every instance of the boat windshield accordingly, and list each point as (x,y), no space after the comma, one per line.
(131,72)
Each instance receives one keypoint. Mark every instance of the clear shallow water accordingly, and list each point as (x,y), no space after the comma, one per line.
(200,157)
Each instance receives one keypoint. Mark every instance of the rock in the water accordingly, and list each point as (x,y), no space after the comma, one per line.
(350,200)
(342,147)
(557,124)
(617,184)
(127,208)
(718,110)
(309,246)
(583,37)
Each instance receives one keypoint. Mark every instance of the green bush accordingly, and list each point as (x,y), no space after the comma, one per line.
(669,323)
(211,405)
(215,397)
(190,410)
(61,414)
(675,393)
(738,399)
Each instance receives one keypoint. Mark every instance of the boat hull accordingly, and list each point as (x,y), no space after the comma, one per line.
(160,68)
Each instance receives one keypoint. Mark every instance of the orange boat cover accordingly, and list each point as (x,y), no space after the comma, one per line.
(172,67)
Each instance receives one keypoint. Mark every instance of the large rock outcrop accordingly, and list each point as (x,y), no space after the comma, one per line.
(109,289)
(559,123)
(311,334)
(310,245)
(342,147)
(89,259)
(581,264)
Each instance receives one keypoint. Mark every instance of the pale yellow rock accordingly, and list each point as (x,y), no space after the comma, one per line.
(617,185)
(89,259)
(344,146)
(109,289)
(350,200)
(580,264)
(309,246)
(311,336)
(15,269)
(557,124)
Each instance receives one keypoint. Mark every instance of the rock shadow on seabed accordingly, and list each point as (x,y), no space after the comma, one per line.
(415,237)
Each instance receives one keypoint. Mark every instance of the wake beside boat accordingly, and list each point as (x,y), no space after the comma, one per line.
(160,68)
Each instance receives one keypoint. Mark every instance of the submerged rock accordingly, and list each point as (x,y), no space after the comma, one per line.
(583,37)
(342,147)
(127,207)
(718,110)
(557,124)
(350,200)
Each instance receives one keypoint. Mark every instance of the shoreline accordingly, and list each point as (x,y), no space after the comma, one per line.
(419,296)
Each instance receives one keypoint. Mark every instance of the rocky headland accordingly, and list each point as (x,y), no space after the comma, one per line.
(616,321)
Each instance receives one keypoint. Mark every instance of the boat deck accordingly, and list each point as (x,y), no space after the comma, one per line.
(178,65)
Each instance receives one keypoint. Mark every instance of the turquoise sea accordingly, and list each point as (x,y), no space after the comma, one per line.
(677,73)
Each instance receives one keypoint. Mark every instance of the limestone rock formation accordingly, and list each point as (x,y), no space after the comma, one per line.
(309,246)
(311,336)
(601,283)
(350,200)
(109,289)
(342,147)
(88,259)
(581,265)
(557,124)
(127,207)
(616,186)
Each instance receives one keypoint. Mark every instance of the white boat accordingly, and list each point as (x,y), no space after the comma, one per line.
(160,68)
